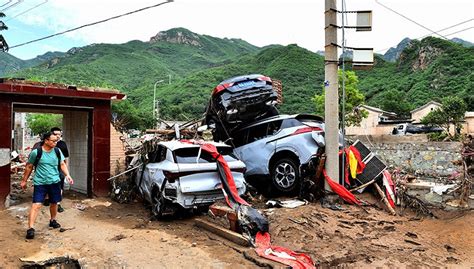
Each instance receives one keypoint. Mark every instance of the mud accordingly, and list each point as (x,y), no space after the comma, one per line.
(101,233)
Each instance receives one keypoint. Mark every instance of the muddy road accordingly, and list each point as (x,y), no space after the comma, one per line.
(103,233)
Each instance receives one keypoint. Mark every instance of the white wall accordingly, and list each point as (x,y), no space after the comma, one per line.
(75,128)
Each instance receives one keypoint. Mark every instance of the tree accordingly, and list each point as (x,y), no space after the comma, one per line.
(354,99)
(394,101)
(451,112)
(3,42)
(42,123)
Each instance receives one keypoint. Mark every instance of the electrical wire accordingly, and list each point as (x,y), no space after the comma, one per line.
(446,28)
(343,124)
(452,26)
(12,5)
(90,24)
(460,31)
(403,16)
(28,10)
(8,2)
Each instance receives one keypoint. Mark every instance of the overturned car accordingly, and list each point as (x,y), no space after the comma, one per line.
(239,100)
(180,175)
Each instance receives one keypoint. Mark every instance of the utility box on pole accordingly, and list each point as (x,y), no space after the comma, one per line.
(331,104)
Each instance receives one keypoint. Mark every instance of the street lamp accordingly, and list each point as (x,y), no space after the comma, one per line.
(154,101)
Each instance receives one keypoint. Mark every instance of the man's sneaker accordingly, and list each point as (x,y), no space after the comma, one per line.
(30,233)
(54,224)
(60,209)
(46,202)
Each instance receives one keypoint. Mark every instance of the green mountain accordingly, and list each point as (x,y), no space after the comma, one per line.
(10,63)
(426,70)
(394,52)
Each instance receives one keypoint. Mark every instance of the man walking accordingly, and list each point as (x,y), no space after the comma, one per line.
(46,161)
(63,147)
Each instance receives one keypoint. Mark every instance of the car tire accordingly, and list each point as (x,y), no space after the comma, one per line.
(285,175)
(157,203)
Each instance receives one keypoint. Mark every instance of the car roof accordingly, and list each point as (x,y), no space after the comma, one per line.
(177,144)
(283,117)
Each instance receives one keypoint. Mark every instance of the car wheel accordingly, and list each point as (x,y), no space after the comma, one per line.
(157,204)
(285,175)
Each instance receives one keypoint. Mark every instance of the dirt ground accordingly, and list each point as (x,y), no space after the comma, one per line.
(104,234)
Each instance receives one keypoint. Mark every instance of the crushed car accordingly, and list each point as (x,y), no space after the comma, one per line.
(280,148)
(179,175)
(239,100)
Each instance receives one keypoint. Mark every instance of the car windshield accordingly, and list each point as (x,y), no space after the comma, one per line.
(189,155)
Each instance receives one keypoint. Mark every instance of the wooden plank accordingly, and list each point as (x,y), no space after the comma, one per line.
(384,199)
(223,232)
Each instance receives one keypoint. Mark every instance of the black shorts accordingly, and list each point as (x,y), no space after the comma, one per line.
(52,190)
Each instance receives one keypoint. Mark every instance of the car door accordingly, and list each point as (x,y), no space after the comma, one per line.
(258,149)
(153,173)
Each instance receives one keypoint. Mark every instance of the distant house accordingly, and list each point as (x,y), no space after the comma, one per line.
(378,122)
(420,112)
(468,126)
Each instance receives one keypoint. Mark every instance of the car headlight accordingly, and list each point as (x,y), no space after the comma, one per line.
(232,111)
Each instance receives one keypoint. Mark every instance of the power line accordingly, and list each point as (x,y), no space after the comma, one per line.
(28,10)
(90,24)
(465,29)
(8,2)
(446,28)
(376,1)
(452,26)
(12,5)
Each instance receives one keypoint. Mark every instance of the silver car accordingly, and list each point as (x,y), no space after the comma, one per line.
(280,148)
(181,175)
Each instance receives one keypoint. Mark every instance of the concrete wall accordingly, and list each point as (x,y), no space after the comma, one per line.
(432,159)
(75,128)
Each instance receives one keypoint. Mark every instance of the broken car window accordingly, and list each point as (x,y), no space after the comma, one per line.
(189,155)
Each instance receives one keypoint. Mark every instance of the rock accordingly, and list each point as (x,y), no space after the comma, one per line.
(449,248)
(194,244)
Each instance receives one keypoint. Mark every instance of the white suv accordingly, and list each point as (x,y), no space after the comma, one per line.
(181,174)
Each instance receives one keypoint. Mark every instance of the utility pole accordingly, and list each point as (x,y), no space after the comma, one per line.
(155,106)
(331,104)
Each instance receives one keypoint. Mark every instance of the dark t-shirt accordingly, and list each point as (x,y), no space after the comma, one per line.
(63,147)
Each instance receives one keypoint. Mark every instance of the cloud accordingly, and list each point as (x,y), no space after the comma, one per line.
(260,22)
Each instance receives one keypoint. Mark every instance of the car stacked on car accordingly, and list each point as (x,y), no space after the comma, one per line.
(278,149)
(239,100)
(274,147)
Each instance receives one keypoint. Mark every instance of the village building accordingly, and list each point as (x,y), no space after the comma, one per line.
(420,112)
(86,125)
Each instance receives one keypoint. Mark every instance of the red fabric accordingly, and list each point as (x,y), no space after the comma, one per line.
(341,191)
(346,168)
(361,164)
(263,243)
(211,149)
(388,183)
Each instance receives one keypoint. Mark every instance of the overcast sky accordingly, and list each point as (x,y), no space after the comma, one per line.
(260,22)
